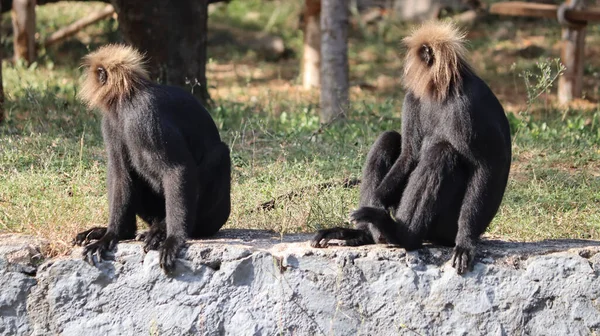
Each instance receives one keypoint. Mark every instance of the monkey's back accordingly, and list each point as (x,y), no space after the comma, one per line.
(170,109)
(490,127)
(186,112)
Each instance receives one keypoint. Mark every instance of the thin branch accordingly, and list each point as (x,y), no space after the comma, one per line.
(270,205)
(78,25)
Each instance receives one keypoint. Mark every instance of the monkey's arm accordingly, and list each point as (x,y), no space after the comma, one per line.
(121,223)
(120,196)
(181,187)
(473,219)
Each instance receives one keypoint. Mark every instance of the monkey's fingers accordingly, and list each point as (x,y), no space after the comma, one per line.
(167,260)
(462,259)
(141,236)
(79,240)
(319,243)
(168,253)
(99,253)
(153,240)
(98,249)
(320,239)
(88,256)
(86,236)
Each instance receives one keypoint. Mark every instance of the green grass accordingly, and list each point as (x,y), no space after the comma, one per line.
(53,164)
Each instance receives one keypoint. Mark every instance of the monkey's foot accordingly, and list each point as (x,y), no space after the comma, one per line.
(320,239)
(152,238)
(462,259)
(86,236)
(99,248)
(347,237)
(168,253)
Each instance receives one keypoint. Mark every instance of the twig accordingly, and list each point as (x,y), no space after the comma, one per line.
(325,125)
(270,205)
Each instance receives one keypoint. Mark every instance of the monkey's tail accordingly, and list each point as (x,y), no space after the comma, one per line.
(113,72)
(435,57)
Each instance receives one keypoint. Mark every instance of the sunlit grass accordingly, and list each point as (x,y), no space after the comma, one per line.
(53,164)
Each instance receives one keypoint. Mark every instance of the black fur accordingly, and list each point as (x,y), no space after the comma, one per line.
(167,165)
(442,181)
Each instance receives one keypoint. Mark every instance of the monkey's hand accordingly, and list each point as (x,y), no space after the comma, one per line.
(168,252)
(462,258)
(386,196)
(321,239)
(83,238)
(99,248)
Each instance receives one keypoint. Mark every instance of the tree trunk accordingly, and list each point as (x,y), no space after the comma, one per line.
(311,58)
(1,85)
(173,36)
(23,21)
(334,59)
(570,84)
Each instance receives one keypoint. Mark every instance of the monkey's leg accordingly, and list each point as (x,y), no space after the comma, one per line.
(214,200)
(382,155)
(432,186)
(151,209)
(181,190)
(381,160)
(193,208)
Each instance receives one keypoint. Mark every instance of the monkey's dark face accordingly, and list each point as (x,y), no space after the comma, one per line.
(426,54)
(102,75)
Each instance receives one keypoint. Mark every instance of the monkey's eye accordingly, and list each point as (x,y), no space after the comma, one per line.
(426,54)
(102,75)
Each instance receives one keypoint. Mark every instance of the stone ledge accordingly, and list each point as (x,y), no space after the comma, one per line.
(246,282)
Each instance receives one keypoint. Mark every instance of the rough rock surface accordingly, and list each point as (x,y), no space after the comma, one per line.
(19,256)
(256,283)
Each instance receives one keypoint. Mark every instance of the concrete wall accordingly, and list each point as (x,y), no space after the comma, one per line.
(254,283)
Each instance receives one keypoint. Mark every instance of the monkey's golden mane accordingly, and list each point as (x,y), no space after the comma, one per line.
(434,81)
(124,73)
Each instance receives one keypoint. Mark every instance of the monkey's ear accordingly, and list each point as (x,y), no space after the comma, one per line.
(102,75)
(426,54)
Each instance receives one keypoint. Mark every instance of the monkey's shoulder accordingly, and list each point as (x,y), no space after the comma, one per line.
(177,99)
